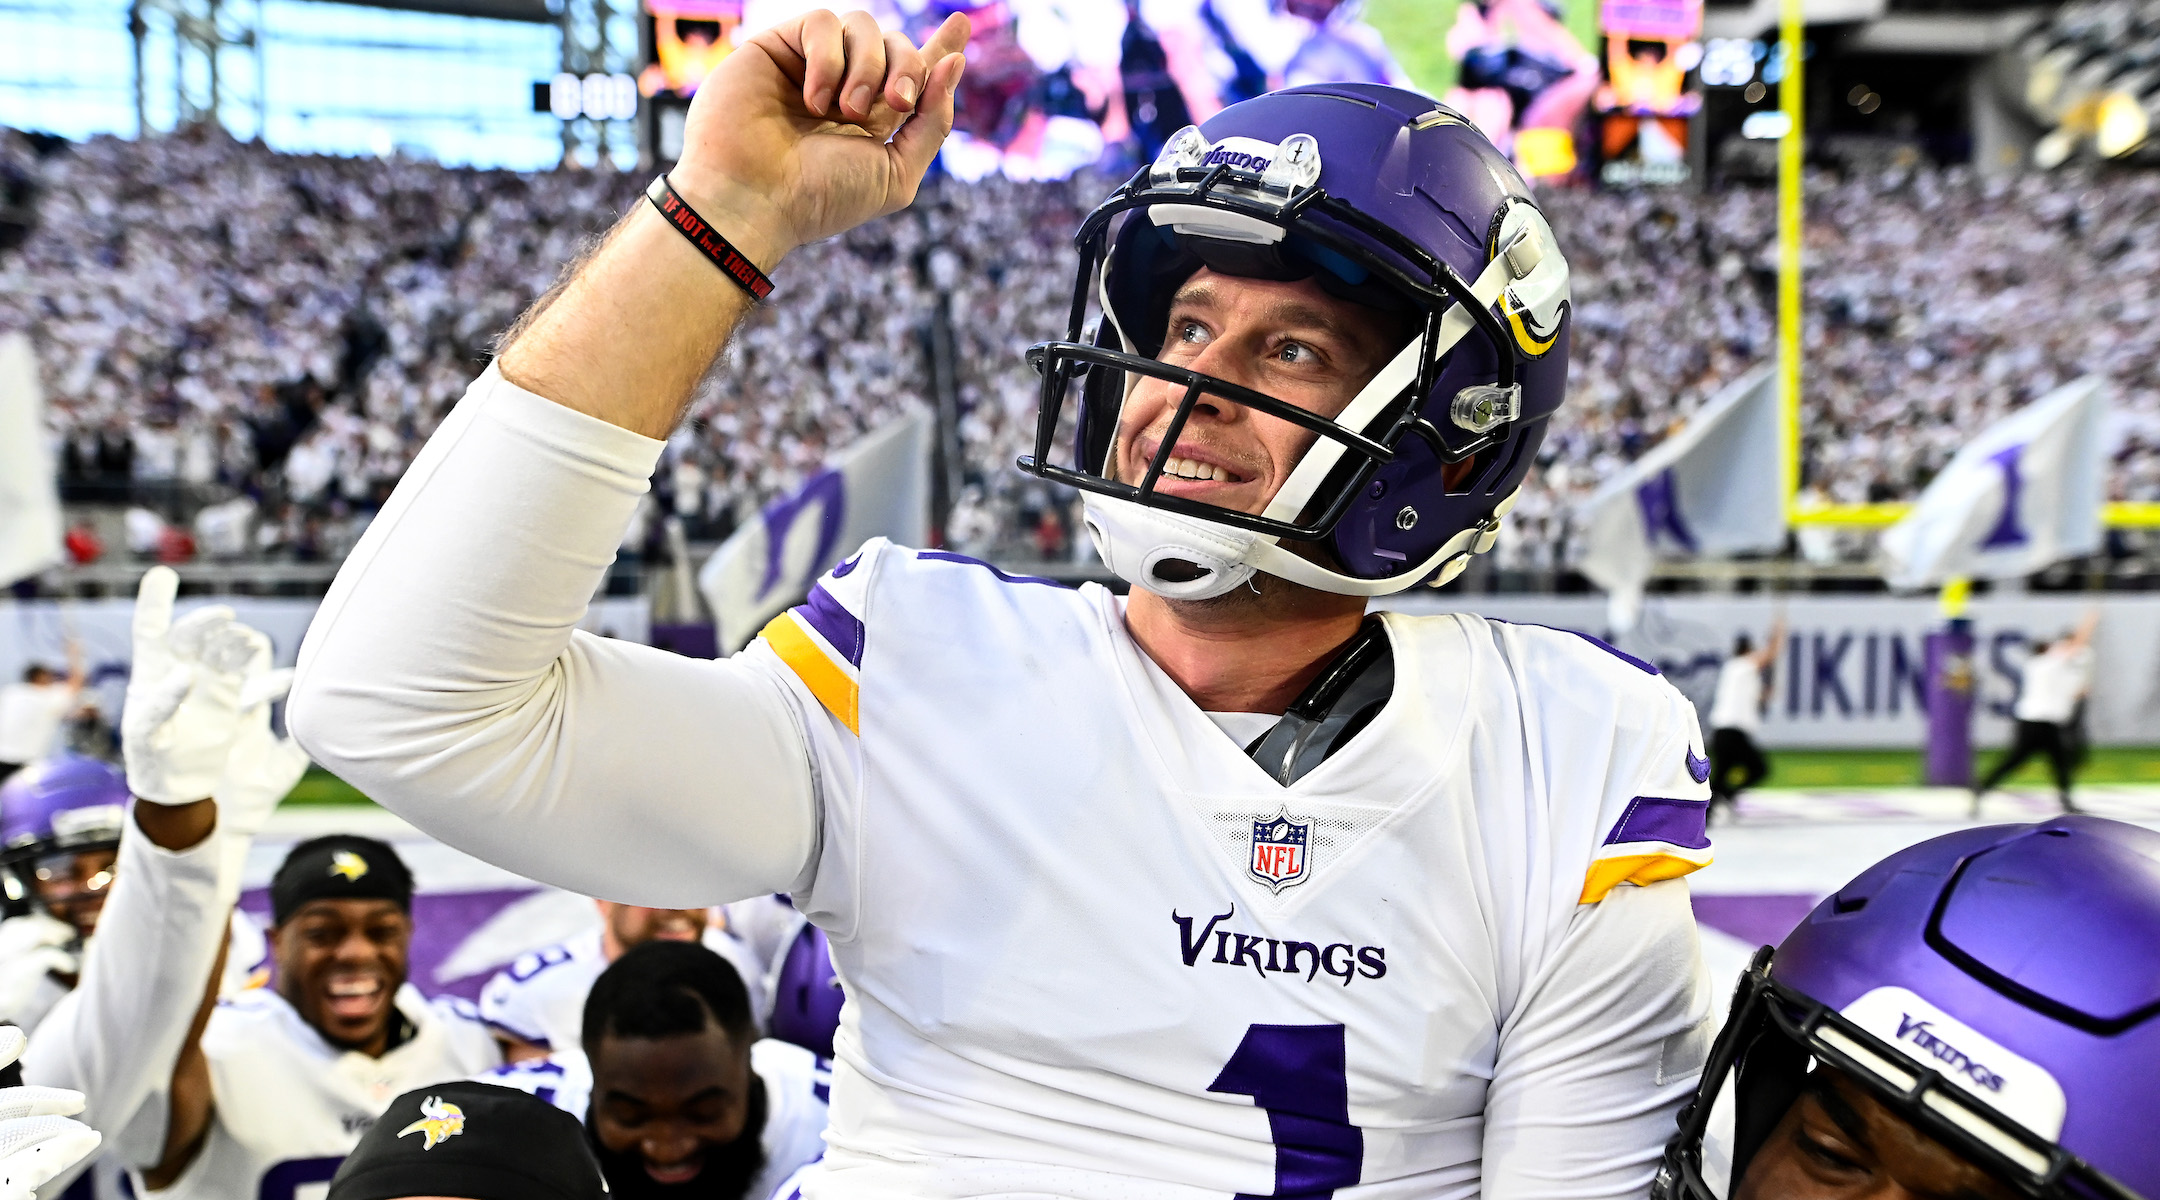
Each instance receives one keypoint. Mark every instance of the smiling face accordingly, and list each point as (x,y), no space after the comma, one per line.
(673,1105)
(628,925)
(73,887)
(1289,340)
(1837,1142)
(339,963)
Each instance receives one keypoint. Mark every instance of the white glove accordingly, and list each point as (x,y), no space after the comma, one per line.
(37,1141)
(183,696)
(262,767)
(31,947)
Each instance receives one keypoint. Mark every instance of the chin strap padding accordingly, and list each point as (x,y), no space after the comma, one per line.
(1344,699)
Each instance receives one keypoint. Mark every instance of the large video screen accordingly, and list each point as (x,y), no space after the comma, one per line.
(1053,86)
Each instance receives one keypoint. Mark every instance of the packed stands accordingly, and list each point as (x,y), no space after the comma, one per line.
(272,337)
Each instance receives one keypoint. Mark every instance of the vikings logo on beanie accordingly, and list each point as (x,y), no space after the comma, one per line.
(472,1140)
(339,867)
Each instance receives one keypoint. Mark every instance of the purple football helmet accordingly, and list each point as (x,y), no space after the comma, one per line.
(1997,988)
(67,806)
(806,993)
(1382,197)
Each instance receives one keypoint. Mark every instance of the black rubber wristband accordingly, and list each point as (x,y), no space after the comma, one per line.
(733,263)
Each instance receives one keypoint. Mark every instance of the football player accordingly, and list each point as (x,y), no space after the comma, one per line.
(1976,1016)
(265,1094)
(536,1004)
(1218,889)
(198,716)
(678,1094)
(59,830)
(60,824)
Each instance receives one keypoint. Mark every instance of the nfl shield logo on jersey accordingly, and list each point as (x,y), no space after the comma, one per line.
(1281,851)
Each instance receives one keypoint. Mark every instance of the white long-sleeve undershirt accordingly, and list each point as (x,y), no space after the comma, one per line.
(444,677)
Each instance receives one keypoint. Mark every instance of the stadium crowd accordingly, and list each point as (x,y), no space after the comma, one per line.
(289,329)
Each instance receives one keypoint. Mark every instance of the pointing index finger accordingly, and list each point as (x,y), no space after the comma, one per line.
(154,603)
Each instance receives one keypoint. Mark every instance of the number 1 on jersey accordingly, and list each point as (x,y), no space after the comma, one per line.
(1300,1074)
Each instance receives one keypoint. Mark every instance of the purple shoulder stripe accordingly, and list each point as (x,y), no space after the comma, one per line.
(1684,823)
(949,556)
(1600,643)
(835,624)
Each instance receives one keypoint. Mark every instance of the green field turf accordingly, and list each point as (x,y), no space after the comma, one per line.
(1789,768)
(1895,768)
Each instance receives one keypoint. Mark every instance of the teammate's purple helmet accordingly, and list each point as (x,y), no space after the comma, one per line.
(1384,197)
(806,994)
(65,803)
(1997,988)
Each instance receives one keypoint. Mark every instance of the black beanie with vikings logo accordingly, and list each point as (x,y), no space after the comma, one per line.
(343,866)
(475,1141)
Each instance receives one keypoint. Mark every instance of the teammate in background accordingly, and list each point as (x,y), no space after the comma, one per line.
(197,721)
(678,1094)
(265,1094)
(1972,1017)
(31,711)
(60,823)
(1736,713)
(280,1082)
(2057,676)
(536,1005)
(1425,936)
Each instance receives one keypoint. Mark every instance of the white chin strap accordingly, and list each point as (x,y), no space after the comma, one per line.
(1205,559)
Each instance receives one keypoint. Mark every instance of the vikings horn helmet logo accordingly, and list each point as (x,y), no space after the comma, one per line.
(439,1121)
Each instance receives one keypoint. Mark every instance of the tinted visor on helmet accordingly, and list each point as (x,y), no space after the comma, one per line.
(1259,219)
(1776,1036)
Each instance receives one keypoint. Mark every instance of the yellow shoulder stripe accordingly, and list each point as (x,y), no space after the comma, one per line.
(813,664)
(1605,874)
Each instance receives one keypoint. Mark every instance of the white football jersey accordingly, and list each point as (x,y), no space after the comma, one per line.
(289,1106)
(540,998)
(1091,949)
(798,1087)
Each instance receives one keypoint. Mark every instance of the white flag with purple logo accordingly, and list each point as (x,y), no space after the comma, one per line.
(2023,495)
(879,486)
(1714,488)
(29,491)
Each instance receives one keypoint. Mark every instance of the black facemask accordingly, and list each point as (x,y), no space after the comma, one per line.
(728,1169)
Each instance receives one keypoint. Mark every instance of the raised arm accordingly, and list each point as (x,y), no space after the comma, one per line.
(1767,657)
(443,675)
(119,1035)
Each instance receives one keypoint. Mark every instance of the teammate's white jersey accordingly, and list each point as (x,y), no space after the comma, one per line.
(289,1106)
(797,1083)
(1090,948)
(540,998)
